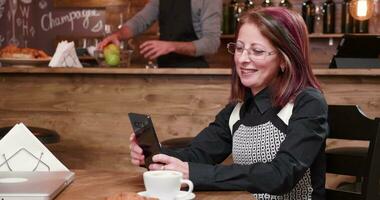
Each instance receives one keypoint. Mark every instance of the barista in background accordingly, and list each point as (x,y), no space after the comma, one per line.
(189,29)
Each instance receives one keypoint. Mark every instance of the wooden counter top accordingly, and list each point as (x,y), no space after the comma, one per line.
(131,71)
(90,185)
(171,71)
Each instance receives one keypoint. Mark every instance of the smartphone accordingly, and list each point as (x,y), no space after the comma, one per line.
(146,136)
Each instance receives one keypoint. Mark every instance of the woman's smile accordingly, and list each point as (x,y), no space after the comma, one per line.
(248,71)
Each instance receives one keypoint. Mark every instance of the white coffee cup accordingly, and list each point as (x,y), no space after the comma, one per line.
(165,184)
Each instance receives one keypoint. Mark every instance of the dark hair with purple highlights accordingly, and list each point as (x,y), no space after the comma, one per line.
(287,32)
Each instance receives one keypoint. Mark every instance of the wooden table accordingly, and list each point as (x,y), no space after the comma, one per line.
(101,184)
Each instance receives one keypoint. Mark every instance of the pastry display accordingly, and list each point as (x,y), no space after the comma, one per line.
(12,51)
(129,196)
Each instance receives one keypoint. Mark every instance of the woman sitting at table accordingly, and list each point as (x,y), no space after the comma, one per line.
(278,139)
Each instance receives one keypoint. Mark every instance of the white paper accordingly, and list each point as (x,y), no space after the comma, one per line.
(20,137)
(65,56)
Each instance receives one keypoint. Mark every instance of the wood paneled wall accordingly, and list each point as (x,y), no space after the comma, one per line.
(89,111)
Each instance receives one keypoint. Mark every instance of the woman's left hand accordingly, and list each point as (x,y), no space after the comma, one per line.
(165,162)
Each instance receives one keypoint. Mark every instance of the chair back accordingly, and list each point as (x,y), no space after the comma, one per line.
(350,123)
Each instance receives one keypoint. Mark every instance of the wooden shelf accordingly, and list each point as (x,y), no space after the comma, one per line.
(322,35)
(313,35)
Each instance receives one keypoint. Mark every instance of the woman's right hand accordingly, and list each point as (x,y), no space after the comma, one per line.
(137,156)
(113,38)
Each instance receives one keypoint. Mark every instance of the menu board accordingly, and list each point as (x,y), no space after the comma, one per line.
(36,23)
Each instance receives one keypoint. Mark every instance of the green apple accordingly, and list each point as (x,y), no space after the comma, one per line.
(112,55)
(112,60)
(111,49)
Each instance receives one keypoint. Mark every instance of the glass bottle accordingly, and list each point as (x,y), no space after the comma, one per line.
(232,16)
(374,22)
(329,16)
(308,14)
(249,4)
(267,3)
(286,4)
(361,26)
(347,19)
(226,19)
(318,23)
(239,8)
(120,26)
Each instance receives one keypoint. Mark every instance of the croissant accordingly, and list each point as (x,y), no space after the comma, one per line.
(129,196)
(12,51)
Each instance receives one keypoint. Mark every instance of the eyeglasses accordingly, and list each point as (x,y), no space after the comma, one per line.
(253,53)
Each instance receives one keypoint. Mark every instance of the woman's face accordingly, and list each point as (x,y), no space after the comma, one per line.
(259,66)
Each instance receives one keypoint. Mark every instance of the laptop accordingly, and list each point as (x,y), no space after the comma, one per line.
(33,185)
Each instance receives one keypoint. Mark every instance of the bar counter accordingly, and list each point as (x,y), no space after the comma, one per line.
(171,71)
(88,106)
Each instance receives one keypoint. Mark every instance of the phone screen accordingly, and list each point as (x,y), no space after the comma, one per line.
(145,135)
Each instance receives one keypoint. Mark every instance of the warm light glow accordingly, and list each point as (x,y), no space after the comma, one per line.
(361,9)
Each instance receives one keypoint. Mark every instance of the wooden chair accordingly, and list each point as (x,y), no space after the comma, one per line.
(348,122)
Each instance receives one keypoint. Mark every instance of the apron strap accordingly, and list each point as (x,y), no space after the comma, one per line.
(235,116)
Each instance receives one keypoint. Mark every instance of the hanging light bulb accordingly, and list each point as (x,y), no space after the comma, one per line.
(361,9)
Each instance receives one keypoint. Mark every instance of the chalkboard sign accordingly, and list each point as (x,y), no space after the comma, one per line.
(36,23)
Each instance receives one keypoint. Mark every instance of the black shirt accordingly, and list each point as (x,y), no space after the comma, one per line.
(300,152)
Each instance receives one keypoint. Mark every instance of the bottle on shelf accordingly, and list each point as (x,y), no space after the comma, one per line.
(232,16)
(267,3)
(226,19)
(318,23)
(236,7)
(120,26)
(329,16)
(374,22)
(361,26)
(308,14)
(286,4)
(240,8)
(347,20)
(249,4)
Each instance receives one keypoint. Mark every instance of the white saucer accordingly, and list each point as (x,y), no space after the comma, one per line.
(190,196)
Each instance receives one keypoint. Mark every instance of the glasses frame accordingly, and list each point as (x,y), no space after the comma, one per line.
(266,53)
